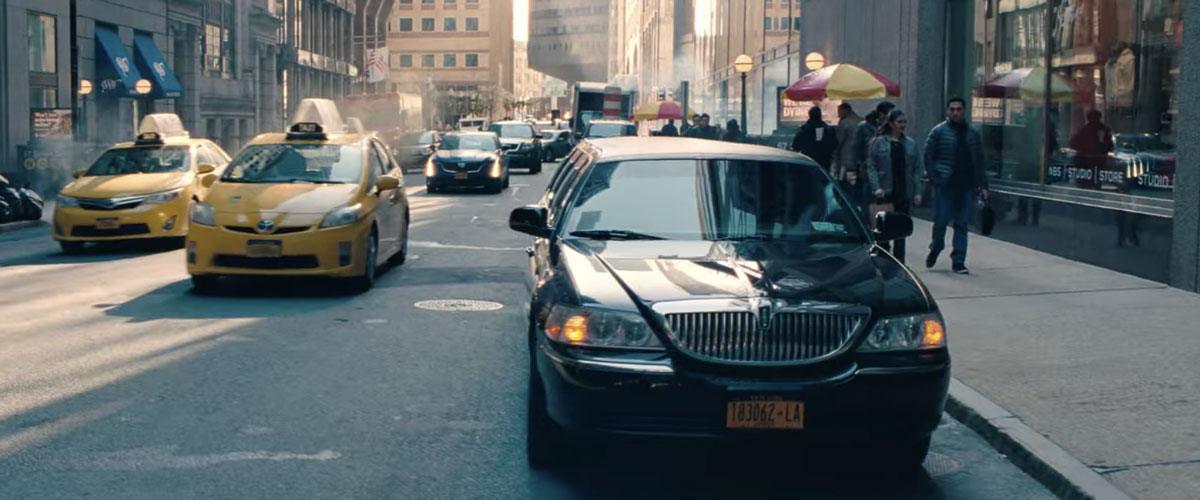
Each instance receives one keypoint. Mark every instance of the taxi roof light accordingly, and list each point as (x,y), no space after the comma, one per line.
(156,127)
(316,117)
(355,125)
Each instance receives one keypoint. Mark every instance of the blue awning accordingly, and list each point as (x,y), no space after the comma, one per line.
(115,69)
(150,61)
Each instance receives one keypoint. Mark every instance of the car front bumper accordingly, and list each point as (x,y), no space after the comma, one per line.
(857,406)
(217,250)
(478,179)
(166,220)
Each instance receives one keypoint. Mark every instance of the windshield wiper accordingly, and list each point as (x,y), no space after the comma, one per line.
(614,234)
(312,181)
(747,237)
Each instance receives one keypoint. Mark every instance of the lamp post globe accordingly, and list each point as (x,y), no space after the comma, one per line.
(742,65)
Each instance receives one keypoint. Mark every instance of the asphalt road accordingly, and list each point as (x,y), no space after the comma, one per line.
(117,382)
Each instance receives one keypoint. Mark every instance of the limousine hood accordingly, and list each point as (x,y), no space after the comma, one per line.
(665,271)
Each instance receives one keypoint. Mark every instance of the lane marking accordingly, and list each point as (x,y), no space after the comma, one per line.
(452,246)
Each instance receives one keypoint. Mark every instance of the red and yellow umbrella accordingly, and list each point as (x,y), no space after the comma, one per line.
(661,110)
(842,81)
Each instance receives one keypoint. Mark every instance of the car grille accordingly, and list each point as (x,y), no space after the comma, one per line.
(509,147)
(471,166)
(285,262)
(110,204)
(736,336)
(282,230)
(122,230)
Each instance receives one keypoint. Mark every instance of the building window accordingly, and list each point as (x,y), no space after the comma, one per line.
(472,24)
(427,24)
(767,22)
(796,23)
(43,97)
(426,60)
(43,52)
(450,3)
(405,2)
(472,60)
(450,60)
(783,23)
(427,2)
(450,24)
(406,24)
(405,60)
(219,39)
(472,2)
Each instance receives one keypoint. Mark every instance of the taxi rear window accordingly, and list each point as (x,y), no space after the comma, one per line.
(281,163)
(141,160)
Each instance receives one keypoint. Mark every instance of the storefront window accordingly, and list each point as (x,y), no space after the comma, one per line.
(1103,118)
(43,56)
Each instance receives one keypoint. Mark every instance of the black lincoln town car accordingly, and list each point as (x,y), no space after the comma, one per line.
(685,288)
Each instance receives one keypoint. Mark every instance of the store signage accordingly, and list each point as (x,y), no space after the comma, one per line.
(987,110)
(51,124)
(791,113)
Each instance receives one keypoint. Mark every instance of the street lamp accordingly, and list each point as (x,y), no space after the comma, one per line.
(142,87)
(814,61)
(743,64)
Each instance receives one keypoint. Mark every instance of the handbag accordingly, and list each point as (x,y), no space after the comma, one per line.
(987,218)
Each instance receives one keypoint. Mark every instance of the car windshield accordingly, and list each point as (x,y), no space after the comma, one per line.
(141,160)
(713,200)
(416,139)
(602,130)
(319,163)
(469,142)
(518,131)
(1141,143)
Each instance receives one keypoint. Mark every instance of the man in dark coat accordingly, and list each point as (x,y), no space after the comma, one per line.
(816,139)
(954,163)
(669,129)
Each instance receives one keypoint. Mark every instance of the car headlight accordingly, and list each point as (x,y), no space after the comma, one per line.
(595,327)
(342,217)
(66,201)
(906,333)
(527,145)
(430,168)
(494,169)
(203,214)
(159,198)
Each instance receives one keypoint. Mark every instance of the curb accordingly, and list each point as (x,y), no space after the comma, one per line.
(15,226)
(1048,463)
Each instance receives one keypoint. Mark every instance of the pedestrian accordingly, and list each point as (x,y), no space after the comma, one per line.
(867,130)
(847,127)
(669,129)
(1092,143)
(895,172)
(733,132)
(702,130)
(816,139)
(954,162)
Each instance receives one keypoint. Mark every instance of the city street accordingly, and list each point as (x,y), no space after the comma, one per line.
(117,382)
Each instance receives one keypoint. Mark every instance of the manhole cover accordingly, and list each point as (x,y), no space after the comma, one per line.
(937,464)
(459,305)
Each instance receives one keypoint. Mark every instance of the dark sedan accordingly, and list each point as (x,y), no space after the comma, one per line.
(522,144)
(467,160)
(555,144)
(414,149)
(687,288)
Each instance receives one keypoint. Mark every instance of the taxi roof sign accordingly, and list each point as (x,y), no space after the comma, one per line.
(322,112)
(354,125)
(158,126)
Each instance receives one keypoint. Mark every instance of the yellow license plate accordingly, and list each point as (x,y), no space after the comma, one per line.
(765,414)
(264,248)
(108,223)
(460,176)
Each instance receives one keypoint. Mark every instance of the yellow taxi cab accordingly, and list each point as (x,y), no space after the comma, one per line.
(318,200)
(140,189)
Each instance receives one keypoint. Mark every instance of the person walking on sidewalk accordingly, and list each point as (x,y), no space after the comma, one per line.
(954,159)
(733,132)
(816,139)
(867,130)
(895,172)
(669,129)
(847,127)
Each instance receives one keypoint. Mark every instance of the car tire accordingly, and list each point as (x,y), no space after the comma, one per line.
(204,285)
(544,440)
(366,281)
(72,247)
(430,188)
(496,187)
(534,170)
(902,460)
(505,182)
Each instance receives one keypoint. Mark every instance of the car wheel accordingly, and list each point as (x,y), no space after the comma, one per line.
(901,460)
(366,281)
(430,188)
(544,443)
(505,182)
(401,256)
(72,247)
(534,170)
(204,285)
(496,187)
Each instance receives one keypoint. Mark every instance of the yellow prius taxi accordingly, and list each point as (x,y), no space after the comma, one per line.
(140,189)
(317,200)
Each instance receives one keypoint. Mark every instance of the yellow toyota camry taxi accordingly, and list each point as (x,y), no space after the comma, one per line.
(318,200)
(139,189)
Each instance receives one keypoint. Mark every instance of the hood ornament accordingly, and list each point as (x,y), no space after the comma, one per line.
(265,226)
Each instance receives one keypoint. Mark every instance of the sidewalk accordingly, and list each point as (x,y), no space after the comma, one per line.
(1104,364)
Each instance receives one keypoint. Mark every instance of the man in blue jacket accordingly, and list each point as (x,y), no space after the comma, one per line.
(954,163)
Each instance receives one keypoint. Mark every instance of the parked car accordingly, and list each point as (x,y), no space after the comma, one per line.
(467,160)
(522,144)
(600,129)
(690,288)
(555,144)
(414,149)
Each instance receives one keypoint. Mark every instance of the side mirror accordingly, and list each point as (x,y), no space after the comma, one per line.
(531,220)
(79,173)
(205,168)
(891,226)
(208,180)
(578,135)
(387,183)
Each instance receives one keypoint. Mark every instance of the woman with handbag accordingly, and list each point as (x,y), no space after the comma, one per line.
(894,172)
